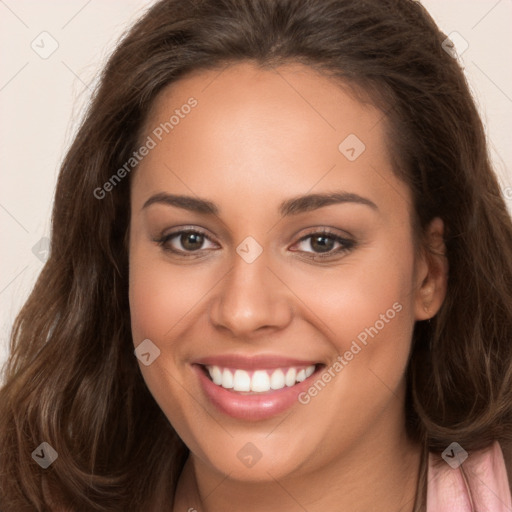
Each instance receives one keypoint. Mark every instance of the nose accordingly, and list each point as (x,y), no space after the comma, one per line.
(250,299)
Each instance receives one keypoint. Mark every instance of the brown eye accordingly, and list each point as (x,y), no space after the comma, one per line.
(191,241)
(182,242)
(323,243)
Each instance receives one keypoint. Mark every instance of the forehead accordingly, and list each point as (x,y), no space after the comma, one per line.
(257,130)
(244,92)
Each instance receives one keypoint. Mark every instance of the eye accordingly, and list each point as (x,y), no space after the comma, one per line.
(190,240)
(323,242)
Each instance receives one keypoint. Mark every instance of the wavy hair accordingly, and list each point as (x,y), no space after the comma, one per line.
(72,379)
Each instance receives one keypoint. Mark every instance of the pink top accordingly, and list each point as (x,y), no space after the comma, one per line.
(486,474)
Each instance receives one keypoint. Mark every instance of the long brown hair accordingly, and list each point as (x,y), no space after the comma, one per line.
(72,379)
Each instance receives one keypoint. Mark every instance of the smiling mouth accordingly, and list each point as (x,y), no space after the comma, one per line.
(259,380)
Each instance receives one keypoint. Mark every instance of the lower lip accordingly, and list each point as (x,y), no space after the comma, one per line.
(252,407)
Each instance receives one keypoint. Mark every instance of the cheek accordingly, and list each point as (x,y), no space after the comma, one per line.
(161,297)
(153,304)
(353,295)
(159,302)
(367,315)
(366,310)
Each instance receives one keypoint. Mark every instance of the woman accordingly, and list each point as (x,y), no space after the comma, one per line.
(280,276)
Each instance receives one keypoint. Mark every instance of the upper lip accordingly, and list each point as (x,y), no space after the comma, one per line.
(252,362)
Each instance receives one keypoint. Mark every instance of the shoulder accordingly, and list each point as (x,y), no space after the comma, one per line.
(478,482)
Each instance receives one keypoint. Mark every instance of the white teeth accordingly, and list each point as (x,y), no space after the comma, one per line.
(261,381)
(241,381)
(290,377)
(277,380)
(301,376)
(216,375)
(227,379)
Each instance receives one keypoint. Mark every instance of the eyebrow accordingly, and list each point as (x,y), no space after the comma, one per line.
(292,206)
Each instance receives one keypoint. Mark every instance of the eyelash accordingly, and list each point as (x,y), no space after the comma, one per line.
(346,244)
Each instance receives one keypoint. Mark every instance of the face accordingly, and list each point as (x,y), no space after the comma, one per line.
(273,271)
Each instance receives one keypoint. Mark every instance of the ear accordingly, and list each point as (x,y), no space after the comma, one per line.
(431,272)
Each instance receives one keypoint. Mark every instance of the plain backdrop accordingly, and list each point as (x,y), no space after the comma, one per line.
(51,53)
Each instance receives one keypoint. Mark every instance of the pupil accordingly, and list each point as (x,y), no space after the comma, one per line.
(323,247)
(195,237)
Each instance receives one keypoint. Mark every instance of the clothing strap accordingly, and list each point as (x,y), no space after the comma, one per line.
(479,484)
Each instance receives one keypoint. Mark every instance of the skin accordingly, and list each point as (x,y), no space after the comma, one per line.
(256,138)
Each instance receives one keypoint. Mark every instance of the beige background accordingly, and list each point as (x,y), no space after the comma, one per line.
(41,101)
